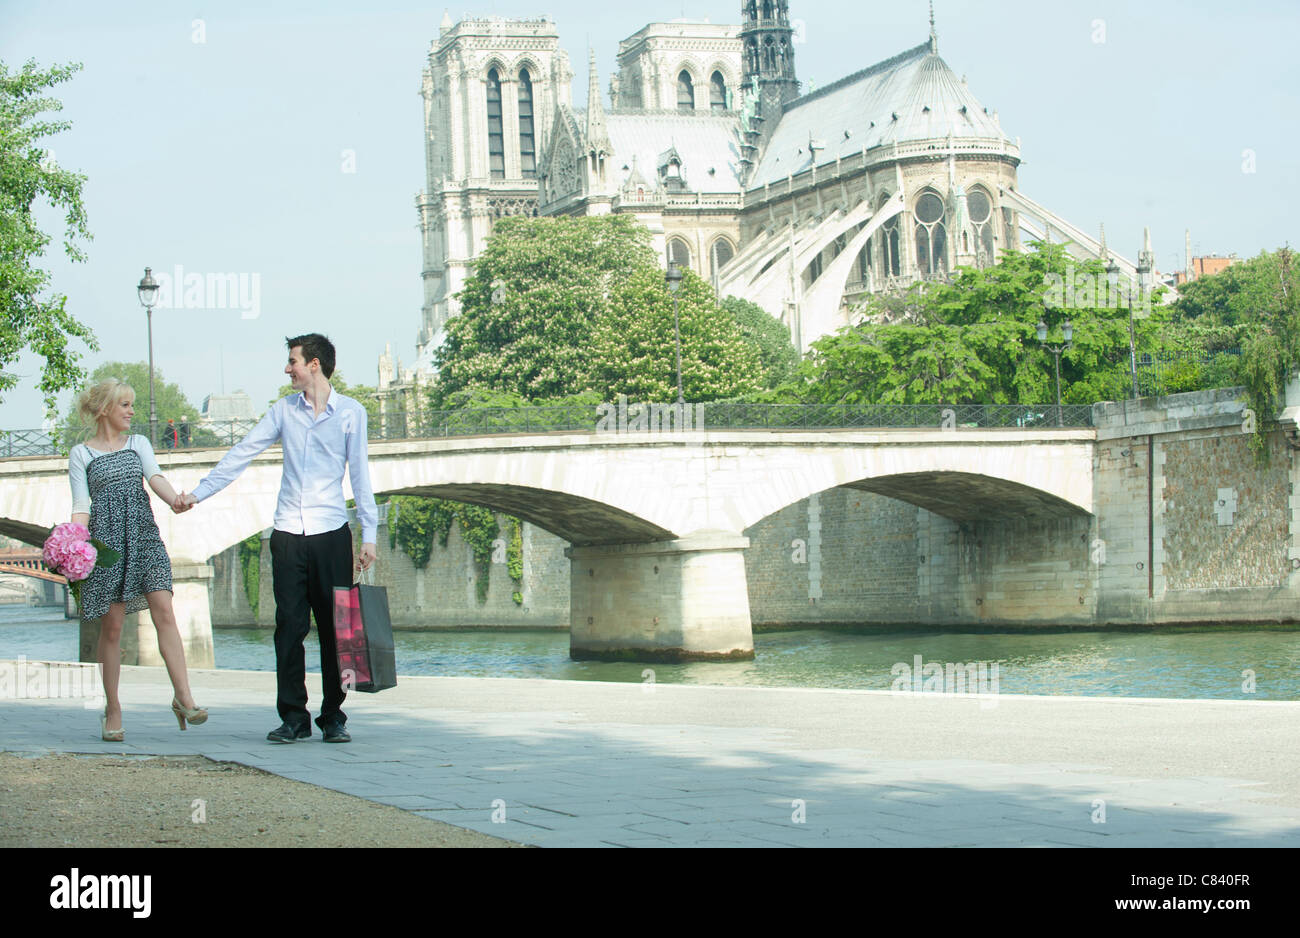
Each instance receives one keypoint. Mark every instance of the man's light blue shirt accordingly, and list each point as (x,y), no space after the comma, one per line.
(317,450)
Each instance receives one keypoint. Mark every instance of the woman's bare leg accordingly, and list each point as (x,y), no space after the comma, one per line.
(109,655)
(170,645)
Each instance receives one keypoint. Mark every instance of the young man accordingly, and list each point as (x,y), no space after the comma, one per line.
(323,433)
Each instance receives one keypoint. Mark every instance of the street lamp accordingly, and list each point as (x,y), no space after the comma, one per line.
(1067,331)
(1145,262)
(1144,284)
(148,290)
(674,278)
(1112,278)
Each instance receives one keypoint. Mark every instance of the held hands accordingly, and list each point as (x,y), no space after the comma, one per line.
(184,502)
(366,557)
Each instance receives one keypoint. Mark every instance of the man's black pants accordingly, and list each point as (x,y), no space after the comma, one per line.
(305,568)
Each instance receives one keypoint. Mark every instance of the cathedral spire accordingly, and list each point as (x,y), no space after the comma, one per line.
(934,36)
(597,133)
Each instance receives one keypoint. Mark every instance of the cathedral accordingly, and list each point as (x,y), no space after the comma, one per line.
(804,203)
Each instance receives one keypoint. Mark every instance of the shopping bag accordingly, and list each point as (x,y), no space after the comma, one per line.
(363,638)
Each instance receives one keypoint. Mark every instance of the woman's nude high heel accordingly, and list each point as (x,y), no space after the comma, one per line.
(196,716)
(110,736)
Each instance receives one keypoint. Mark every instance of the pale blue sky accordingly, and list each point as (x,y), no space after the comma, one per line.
(227,155)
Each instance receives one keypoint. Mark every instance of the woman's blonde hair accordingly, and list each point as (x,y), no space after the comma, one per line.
(95,402)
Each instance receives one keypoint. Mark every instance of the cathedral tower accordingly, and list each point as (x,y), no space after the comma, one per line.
(768,60)
(491,89)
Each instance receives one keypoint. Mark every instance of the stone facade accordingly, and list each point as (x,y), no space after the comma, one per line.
(477,171)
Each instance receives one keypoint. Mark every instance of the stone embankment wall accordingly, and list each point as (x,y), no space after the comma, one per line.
(1190,526)
(442,595)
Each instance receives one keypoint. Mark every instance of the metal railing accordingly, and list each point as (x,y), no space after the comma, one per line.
(590,418)
(1156,373)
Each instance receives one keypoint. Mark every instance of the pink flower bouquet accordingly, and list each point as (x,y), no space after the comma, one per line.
(71,552)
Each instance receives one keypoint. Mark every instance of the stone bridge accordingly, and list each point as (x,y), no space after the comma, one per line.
(656,520)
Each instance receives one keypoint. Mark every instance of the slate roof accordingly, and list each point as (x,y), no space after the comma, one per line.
(703,141)
(913,96)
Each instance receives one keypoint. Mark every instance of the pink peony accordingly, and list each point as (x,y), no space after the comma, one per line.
(79,561)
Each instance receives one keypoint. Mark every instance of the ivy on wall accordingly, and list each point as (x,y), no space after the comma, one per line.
(250,565)
(414,521)
(515,558)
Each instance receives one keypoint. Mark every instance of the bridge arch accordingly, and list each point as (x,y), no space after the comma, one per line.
(583,522)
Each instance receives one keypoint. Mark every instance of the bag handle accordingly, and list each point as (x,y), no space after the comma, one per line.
(366,577)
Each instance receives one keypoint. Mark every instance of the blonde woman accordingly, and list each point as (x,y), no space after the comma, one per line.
(107,473)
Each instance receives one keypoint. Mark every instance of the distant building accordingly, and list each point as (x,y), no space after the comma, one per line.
(400,390)
(1205,267)
(803,203)
(236,406)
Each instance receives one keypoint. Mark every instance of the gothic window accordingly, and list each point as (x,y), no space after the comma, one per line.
(815,268)
(767,9)
(752,50)
(718,92)
(980,207)
(679,253)
(527,140)
(496,129)
(753,9)
(769,55)
(890,259)
(931,235)
(685,92)
(865,259)
(781,53)
(723,252)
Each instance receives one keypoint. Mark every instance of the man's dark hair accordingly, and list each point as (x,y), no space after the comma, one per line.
(315,345)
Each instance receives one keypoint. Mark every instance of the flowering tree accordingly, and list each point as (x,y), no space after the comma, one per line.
(561,306)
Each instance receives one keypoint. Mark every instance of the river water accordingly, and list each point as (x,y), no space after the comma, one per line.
(1241,663)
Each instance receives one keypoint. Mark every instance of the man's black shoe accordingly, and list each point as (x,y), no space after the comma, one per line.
(288,734)
(335,733)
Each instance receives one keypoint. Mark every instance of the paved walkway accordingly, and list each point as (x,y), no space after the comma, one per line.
(566,763)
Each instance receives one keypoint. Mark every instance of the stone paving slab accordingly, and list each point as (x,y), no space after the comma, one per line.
(568,764)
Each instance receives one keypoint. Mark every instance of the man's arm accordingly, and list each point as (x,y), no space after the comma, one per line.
(362,494)
(240,455)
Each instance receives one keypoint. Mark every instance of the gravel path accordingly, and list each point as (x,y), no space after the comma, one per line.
(65,800)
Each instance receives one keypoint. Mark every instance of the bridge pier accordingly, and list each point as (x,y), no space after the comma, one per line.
(190,602)
(680,600)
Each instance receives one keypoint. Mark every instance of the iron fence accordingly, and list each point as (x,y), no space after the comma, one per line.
(1170,372)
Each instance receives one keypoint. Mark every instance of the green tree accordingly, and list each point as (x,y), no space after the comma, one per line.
(974,340)
(30,318)
(363,394)
(633,352)
(557,307)
(1254,305)
(169,400)
(776,352)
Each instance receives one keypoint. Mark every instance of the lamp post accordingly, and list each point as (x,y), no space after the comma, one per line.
(1145,263)
(1112,278)
(148,291)
(1067,332)
(1144,283)
(674,278)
